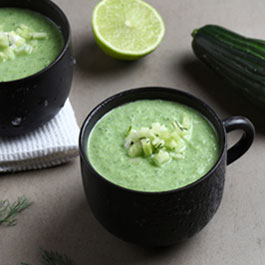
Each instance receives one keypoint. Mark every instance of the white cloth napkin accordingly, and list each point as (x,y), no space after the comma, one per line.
(54,143)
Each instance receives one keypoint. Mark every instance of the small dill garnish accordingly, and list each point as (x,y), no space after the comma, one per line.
(52,258)
(8,211)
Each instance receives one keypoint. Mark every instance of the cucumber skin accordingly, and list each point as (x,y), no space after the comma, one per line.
(238,60)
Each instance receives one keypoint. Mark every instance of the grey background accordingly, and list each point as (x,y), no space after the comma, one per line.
(60,218)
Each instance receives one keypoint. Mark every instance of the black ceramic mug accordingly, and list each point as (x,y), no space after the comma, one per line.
(27,103)
(167,217)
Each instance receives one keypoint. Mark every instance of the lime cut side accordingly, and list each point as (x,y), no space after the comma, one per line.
(127,29)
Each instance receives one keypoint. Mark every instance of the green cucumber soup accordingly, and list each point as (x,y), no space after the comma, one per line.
(153,145)
(29,42)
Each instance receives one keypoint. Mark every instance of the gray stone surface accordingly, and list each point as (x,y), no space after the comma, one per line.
(60,218)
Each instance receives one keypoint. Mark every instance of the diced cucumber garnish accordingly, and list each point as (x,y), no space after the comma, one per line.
(15,40)
(28,49)
(147,146)
(177,156)
(161,157)
(21,41)
(9,53)
(158,142)
(40,35)
(135,150)
(2,57)
(4,41)
(186,122)
(172,144)
(25,32)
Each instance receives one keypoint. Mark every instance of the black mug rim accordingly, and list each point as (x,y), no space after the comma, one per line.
(67,28)
(85,124)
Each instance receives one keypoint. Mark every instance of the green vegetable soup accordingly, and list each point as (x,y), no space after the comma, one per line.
(153,145)
(29,42)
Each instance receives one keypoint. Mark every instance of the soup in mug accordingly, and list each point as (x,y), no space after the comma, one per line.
(29,42)
(153,145)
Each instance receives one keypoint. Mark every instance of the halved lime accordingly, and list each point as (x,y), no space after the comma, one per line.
(127,29)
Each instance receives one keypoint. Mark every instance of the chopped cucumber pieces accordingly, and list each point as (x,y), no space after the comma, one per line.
(40,35)
(161,157)
(158,142)
(25,32)
(4,41)
(2,57)
(21,41)
(147,146)
(135,150)
(9,53)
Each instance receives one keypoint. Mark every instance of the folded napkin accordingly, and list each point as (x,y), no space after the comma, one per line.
(52,144)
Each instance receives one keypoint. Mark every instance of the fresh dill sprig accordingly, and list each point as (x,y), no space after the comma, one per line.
(8,211)
(52,258)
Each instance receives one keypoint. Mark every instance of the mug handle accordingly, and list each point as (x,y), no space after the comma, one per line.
(238,149)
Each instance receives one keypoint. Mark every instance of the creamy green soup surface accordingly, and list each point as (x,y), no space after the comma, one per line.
(107,153)
(34,42)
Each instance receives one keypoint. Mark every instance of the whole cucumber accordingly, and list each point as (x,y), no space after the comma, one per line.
(237,59)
